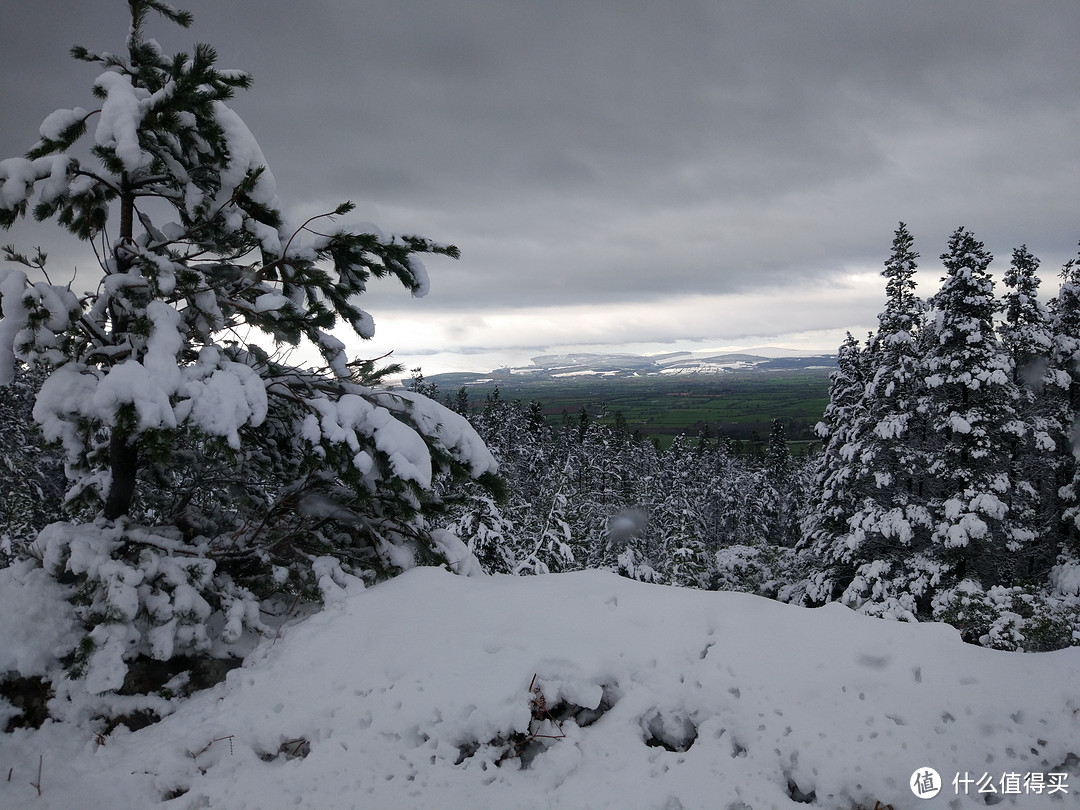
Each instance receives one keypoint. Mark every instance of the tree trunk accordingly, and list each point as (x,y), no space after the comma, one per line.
(123,463)
(123,446)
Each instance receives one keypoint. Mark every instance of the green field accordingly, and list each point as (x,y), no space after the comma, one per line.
(737,404)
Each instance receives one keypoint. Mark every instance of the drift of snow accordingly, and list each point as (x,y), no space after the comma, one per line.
(416,694)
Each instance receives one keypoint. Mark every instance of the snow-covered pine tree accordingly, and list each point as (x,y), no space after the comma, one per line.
(752,510)
(891,452)
(541,474)
(461,402)
(632,545)
(624,534)
(891,522)
(781,493)
(725,493)
(605,503)
(490,522)
(1064,577)
(836,495)
(1026,334)
(740,496)
(679,516)
(31,475)
(1025,330)
(970,408)
(1065,362)
(487,533)
(1038,610)
(201,273)
(545,537)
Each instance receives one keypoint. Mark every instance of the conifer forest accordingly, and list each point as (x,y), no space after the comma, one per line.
(945,487)
(180,480)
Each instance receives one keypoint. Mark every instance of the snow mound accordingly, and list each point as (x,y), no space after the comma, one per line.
(580,690)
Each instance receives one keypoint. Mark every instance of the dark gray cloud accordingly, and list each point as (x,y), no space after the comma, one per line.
(622,152)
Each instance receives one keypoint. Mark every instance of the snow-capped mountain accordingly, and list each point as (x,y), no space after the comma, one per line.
(767,358)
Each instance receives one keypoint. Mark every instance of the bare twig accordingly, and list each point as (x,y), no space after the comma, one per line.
(204,749)
(540,711)
(292,607)
(36,785)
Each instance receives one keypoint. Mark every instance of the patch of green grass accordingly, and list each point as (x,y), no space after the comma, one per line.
(740,405)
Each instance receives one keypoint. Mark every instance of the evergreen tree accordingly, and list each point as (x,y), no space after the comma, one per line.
(679,516)
(546,537)
(836,494)
(487,533)
(1025,332)
(894,434)
(633,540)
(31,475)
(780,493)
(548,514)
(1037,610)
(1065,365)
(625,536)
(537,423)
(603,455)
(969,404)
(745,493)
(461,402)
(421,386)
(1036,468)
(727,494)
(165,364)
(891,521)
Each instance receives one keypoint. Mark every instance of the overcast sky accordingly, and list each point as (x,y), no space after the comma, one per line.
(645,175)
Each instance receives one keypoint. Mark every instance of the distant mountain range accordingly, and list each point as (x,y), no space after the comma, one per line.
(555,366)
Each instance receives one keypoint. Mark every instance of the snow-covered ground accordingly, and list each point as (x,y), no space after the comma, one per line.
(416,694)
